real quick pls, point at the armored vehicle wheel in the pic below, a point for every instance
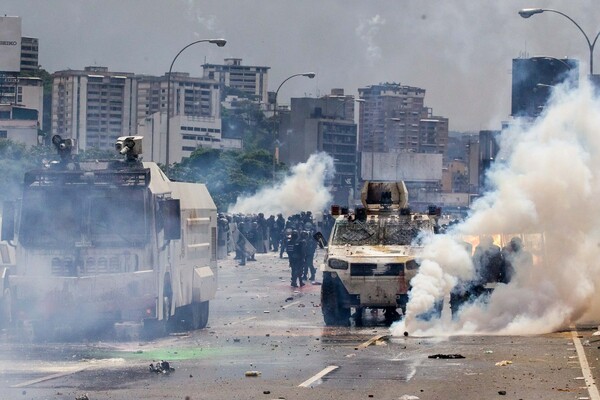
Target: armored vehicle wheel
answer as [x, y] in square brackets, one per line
[391, 315]
[334, 313]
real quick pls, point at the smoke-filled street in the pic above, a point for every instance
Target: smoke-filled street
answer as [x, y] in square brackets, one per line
[266, 340]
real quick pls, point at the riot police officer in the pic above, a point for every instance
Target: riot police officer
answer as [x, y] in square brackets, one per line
[296, 252]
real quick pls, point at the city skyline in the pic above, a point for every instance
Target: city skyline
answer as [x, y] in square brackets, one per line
[456, 52]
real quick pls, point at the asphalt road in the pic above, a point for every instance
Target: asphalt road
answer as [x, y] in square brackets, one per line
[260, 326]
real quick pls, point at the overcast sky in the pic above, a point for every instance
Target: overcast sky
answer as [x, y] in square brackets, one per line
[459, 51]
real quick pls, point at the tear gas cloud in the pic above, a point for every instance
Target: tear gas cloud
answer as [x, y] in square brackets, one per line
[302, 190]
[544, 187]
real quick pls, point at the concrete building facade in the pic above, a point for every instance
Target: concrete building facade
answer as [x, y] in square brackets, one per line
[422, 174]
[393, 118]
[323, 124]
[94, 106]
[19, 124]
[191, 96]
[188, 133]
[29, 54]
[252, 80]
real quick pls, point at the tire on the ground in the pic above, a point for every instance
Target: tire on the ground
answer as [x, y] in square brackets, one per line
[334, 313]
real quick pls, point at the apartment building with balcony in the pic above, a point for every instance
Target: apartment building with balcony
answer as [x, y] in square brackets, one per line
[249, 79]
[94, 106]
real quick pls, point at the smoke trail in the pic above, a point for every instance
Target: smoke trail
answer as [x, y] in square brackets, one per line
[550, 184]
[367, 30]
[303, 190]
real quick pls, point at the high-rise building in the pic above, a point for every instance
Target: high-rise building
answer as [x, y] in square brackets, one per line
[94, 106]
[533, 80]
[251, 80]
[190, 96]
[488, 150]
[389, 117]
[29, 54]
[433, 135]
[393, 118]
[324, 124]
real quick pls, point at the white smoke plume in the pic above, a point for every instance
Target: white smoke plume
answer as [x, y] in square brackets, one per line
[303, 190]
[367, 30]
[547, 183]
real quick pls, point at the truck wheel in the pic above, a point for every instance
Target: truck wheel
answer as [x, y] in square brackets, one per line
[334, 313]
[200, 311]
[6, 309]
[191, 317]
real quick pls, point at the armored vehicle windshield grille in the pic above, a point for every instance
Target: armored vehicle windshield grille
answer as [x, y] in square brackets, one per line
[362, 269]
[356, 233]
[388, 231]
[371, 269]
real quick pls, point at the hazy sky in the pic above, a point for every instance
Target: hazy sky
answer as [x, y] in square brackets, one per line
[459, 51]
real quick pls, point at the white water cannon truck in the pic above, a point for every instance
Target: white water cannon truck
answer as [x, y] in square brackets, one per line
[104, 244]
[373, 254]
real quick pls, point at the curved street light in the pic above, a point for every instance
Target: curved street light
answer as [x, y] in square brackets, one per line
[528, 12]
[218, 42]
[309, 75]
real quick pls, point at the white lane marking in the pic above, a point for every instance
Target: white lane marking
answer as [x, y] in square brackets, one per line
[585, 368]
[241, 321]
[318, 376]
[291, 304]
[49, 377]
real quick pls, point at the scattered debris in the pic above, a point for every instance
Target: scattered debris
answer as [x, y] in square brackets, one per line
[408, 397]
[406, 333]
[82, 397]
[447, 356]
[489, 352]
[163, 367]
[289, 299]
[503, 363]
[502, 392]
[252, 373]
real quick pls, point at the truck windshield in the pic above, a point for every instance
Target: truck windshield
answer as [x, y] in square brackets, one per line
[378, 232]
[68, 217]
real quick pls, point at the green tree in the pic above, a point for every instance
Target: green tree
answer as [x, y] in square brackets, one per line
[248, 123]
[227, 174]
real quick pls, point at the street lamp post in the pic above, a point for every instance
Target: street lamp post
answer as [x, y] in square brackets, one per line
[218, 42]
[309, 75]
[528, 12]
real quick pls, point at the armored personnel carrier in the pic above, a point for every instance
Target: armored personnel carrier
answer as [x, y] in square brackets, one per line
[372, 254]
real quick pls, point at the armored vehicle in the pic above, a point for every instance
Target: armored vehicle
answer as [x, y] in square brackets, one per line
[101, 244]
[372, 254]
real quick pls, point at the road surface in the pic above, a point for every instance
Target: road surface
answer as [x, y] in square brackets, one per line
[267, 340]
